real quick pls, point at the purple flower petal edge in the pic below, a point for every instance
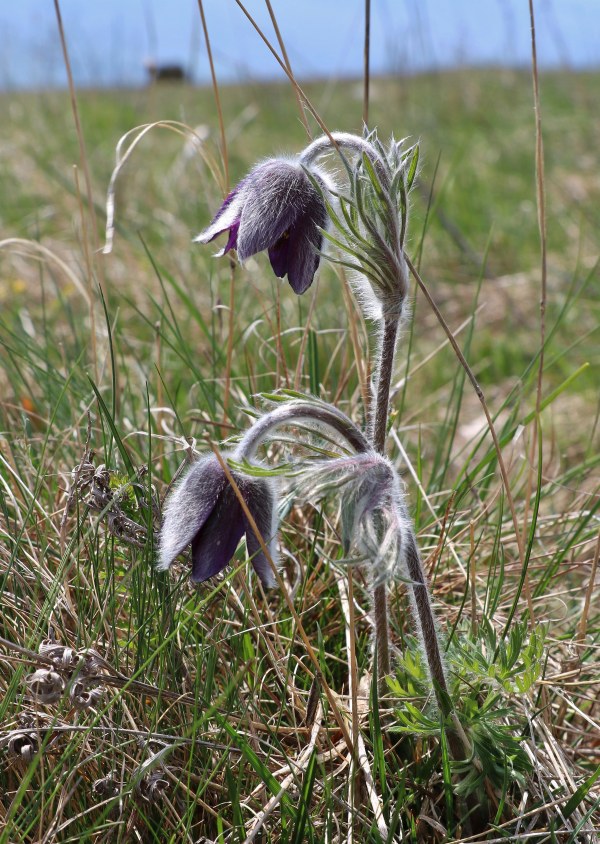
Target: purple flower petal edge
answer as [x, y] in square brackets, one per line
[189, 506]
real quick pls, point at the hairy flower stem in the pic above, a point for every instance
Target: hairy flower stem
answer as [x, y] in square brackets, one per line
[425, 619]
[460, 746]
[296, 411]
[351, 143]
[379, 431]
[386, 367]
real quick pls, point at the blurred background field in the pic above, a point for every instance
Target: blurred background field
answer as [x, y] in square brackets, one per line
[163, 344]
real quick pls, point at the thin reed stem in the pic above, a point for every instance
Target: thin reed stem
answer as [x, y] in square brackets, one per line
[473, 578]
[215, 86]
[353, 667]
[304, 341]
[288, 73]
[290, 604]
[490, 424]
[78, 128]
[88, 182]
[583, 623]
[541, 204]
[225, 156]
[367, 69]
[89, 273]
[541, 212]
[230, 332]
[282, 370]
[281, 43]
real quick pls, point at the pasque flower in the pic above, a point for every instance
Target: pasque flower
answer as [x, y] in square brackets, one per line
[205, 511]
[275, 207]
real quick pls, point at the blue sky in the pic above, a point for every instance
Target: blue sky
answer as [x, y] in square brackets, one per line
[110, 39]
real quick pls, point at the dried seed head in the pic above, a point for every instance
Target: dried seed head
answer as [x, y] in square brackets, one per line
[26, 720]
[82, 475]
[126, 529]
[153, 787]
[84, 698]
[24, 745]
[63, 657]
[106, 787]
[90, 662]
[45, 686]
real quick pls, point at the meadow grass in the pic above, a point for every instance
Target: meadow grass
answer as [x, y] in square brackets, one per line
[116, 367]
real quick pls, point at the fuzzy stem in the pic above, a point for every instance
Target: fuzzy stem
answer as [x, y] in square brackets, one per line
[426, 618]
[295, 411]
[385, 366]
[345, 140]
[460, 746]
[379, 430]
[380, 612]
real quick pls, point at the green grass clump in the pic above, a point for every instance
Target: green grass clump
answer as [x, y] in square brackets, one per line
[114, 367]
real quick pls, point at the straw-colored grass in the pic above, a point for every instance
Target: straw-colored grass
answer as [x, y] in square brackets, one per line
[174, 713]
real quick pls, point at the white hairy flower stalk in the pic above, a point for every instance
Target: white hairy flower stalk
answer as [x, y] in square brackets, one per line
[372, 234]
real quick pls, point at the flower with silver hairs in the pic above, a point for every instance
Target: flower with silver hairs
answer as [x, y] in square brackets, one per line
[276, 207]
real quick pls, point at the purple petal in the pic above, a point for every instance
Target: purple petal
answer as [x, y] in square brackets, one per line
[305, 242]
[262, 504]
[231, 241]
[279, 255]
[276, 194]
[189, 506]
[303, 264]
[205, 511]
[226, 217]
[215, 544]
[303, 259]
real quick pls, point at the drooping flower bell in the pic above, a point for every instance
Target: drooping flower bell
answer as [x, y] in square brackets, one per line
[205, 511]
[275, 207]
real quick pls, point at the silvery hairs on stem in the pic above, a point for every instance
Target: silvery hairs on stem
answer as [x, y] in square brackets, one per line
[205, 511]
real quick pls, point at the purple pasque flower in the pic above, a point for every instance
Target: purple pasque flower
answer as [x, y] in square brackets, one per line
[275, 207]
[204, 510]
